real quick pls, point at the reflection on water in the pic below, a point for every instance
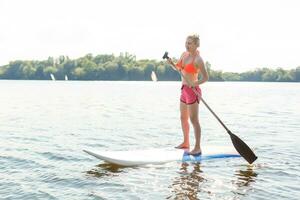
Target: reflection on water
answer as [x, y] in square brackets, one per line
[193, 184]
[245, 177]
[188, 184]
[105, 169]
[244, 180]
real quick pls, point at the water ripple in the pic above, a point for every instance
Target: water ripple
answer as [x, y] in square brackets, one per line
[42, 140]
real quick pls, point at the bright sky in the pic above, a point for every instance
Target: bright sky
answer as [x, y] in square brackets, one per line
[235, 35]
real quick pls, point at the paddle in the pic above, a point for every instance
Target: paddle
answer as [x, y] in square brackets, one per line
[241, 147]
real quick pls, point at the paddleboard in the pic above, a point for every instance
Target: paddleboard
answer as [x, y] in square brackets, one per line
[159, 156]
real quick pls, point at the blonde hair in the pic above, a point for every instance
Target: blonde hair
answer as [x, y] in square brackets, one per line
[195, 38]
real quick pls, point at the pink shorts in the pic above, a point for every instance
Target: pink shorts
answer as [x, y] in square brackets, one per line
[188, 96]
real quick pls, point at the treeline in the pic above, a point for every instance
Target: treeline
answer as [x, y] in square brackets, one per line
[259, 74]
[126, 67]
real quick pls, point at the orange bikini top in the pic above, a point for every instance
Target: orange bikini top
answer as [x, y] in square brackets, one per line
[190, 67]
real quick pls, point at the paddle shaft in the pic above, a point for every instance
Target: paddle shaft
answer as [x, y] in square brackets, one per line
[243, 149]
[207, 106]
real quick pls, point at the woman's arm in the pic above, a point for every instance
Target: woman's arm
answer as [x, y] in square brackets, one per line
[178, 65]
[204, 73]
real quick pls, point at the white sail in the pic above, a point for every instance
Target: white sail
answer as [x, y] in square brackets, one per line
[153, 76]
[52, 77]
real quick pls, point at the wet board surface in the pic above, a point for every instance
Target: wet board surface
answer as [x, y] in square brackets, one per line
[159, 156]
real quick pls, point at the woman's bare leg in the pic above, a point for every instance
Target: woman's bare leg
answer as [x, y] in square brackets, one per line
[193, 110]
[184, 118]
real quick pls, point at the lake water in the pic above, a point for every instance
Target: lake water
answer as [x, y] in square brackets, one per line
[45, 125]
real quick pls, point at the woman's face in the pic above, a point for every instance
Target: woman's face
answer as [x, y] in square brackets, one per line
[190, 45]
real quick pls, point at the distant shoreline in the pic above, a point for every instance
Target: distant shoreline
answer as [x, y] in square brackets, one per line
[125, 67]
[147, 81]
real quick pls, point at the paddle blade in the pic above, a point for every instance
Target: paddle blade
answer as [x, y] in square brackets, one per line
[243, 149]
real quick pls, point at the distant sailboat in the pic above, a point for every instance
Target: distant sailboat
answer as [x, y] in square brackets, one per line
[153, 76]
[52, 77]
[66, 78]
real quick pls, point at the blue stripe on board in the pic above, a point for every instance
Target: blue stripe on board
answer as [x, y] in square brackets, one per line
[186, 157]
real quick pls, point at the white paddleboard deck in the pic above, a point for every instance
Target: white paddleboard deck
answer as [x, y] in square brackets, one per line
[159, 156]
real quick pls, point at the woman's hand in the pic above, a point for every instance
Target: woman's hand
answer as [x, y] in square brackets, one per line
[192, 84]
[169, 61]
[196, 83]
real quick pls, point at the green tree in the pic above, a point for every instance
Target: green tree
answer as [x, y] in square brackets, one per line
[269, 75]
[297, 74]
[112, 70]
[49, 70]
[135, 73]
[230, 76]
[160, 72]
[148, 71]
[14, 70]
[28, 70]
[79, 73]
[216, 76]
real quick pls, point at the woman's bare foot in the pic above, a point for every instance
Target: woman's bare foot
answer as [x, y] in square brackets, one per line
[195, 152]
[183, 146]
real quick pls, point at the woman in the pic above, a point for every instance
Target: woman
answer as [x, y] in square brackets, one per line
[191, 66]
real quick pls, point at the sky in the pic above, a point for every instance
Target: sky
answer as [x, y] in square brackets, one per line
[235, 35]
